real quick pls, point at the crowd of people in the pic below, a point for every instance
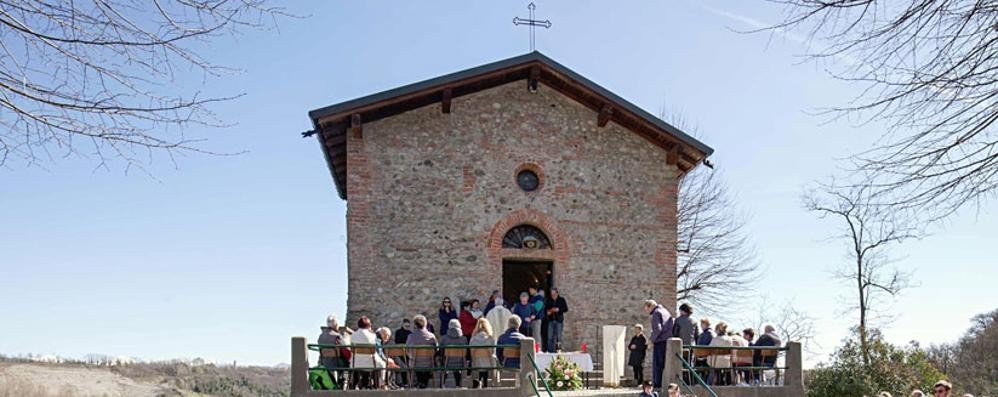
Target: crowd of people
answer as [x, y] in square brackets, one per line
[468, 326]
[425, 349]
[715, 369]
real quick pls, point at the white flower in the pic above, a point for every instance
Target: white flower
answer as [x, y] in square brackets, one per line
[560, 384]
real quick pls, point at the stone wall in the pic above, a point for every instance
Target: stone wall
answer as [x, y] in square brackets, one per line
[431, 195]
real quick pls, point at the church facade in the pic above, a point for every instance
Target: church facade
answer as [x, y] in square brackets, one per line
[515, 173]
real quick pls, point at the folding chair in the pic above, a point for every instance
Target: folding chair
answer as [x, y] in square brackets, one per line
[363, 359]
[743, 358]
[770, 353]
[418, 356]
[481, 354]
[397, 353]
[333, 354]
[510, 353]
[453, 353]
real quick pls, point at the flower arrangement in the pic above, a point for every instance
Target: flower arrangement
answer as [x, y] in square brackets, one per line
[563, 375]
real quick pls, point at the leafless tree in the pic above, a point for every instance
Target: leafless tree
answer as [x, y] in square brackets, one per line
[99, 78]
[869, 231]
[929, 72]
[792, 324]
[717, 267]
[716, 264]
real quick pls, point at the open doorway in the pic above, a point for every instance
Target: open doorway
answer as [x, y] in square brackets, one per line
[517, 276]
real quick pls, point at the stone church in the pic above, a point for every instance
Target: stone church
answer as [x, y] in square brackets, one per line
[498, 177]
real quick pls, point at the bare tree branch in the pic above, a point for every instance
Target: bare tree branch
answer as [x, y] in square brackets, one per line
[716, 265]
[870, 230]
[929, 71]
[717, 268]
[791, 323]
[95, 78]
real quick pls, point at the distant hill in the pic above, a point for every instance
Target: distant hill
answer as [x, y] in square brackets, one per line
[24, 378]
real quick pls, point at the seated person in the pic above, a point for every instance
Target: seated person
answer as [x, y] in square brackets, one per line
[453, 337]
[365, 345]
[768, 338]
[741, 358]
[511, 337]
[331, 336]
[421, 337]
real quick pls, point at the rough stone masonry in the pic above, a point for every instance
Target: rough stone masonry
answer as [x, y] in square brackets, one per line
[432, 194]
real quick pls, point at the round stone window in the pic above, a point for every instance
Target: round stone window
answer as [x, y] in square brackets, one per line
[528, 180]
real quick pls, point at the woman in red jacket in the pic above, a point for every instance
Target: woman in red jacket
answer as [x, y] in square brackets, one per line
[467, 320]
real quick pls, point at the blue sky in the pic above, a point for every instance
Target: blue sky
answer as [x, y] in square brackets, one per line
[226, 258]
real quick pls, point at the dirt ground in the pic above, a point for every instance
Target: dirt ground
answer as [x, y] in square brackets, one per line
[41, 380]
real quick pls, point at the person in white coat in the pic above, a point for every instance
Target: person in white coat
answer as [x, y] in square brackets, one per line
[365, 354]
[499, 315]
[721, 362]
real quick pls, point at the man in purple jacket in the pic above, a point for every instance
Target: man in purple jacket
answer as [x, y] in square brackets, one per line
[661, 331]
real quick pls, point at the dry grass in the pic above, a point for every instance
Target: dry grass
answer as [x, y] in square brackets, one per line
[170, 379]
[21, 388]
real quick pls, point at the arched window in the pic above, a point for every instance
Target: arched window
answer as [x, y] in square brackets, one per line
[526, 237]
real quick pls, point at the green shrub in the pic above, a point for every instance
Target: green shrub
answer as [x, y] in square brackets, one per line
[897, 370]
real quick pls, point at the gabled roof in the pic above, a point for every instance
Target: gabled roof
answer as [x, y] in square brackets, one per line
[332, 122]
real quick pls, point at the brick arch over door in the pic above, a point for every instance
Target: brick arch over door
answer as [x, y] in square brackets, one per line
[558, 253]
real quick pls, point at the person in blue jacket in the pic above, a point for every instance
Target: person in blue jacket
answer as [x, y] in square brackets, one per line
[526, 312]
[447, 312]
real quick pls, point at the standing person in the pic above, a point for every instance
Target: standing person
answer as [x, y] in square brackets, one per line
[638, 348]
[421, 337]
[467, 320]
[536, 324]
[661, 330]
[557, 307]
[525, 311]
[917, 393]
[499, 315]
[687, 331]
[476, 310]
[494, 300]
[482, 336]
[684, 327]
[719, 362]
[445, 314]
[454, 337]
[940, 389]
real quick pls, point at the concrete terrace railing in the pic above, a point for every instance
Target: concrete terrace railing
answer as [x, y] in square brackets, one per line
[524, 385]
[792, 384]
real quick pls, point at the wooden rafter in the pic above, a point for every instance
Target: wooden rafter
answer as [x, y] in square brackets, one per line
[445, 100]
[534, 78]
[604, 116]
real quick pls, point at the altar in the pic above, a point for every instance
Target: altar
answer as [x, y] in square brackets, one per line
[584, 360]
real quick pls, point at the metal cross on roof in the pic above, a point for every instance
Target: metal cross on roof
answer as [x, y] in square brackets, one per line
[532, 23]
